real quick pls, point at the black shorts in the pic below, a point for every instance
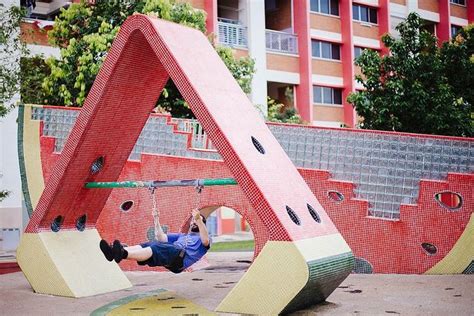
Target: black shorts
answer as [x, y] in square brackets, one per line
[164, 255]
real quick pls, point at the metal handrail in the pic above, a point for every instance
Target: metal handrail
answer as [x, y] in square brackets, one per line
[232, 33]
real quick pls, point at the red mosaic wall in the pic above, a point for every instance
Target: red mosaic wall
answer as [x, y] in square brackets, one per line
[395, 246]
[390, 246]
[145, 52]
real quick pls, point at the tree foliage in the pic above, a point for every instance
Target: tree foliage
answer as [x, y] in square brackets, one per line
[242, 68]
[34, 70]
[417, 87]
[457, 58]
[278, 112]
[11, 50]
[85, 33]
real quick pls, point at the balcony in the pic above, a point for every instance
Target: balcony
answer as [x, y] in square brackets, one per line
[231, 33]
[199, 139]
[47, 9]
[281, 42]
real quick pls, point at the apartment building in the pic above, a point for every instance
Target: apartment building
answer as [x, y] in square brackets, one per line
[304, 49]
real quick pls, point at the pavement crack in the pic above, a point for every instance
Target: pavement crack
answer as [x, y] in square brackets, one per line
[354, 291]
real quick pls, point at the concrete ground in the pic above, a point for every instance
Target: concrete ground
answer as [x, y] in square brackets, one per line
[357, 295]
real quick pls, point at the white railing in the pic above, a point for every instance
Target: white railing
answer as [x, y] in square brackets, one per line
[281, 42]
[231, 33]
[45, 9]
[199, 139]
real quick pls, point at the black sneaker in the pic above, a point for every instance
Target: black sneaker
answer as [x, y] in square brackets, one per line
[118, 251]
[106, 250]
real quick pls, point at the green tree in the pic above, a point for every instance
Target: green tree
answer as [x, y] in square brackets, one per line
[457, 57]
[34, 70]
[85, 33]
[409, 90]
[242, 69]
[11, 50]
[278, 112]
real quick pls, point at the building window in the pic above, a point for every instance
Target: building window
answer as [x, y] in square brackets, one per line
[358, 51]
[455, 29]
[326, 50]
[364, 14]
[461, 2]
[326, 95]
[325, 6]
[271, 5]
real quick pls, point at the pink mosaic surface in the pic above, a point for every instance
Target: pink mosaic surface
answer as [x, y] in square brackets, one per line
[128, 85]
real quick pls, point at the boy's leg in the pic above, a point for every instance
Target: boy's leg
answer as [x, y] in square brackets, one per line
[138, 253]
[118, 252]
[128, 248]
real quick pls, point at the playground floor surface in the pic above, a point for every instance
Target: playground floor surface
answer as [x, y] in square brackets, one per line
[201, 291]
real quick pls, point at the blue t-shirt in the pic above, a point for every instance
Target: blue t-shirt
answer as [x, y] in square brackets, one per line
[192, 244]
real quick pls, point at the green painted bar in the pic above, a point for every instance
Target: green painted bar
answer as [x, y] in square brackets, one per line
[122, 184]
[159, 184]
[223, 181]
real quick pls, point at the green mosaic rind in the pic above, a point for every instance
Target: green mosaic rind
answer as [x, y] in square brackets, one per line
[21, 160]
[325, 275]
[469, 269]
[362, 266]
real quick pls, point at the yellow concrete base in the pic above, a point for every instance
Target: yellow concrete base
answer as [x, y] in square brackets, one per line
[68, 263]
[462, 254]
[30, 143]
[289, 275]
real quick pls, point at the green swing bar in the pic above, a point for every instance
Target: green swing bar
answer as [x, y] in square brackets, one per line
[161, 184]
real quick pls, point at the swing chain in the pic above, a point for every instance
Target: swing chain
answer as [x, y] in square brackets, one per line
[154, 211]
[198, 188]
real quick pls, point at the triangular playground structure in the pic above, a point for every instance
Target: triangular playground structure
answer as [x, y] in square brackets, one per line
[305, 258]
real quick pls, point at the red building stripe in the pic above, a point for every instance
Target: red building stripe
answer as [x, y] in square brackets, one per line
[304, 91]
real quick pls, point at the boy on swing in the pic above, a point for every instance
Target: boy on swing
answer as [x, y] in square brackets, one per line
[175, 252]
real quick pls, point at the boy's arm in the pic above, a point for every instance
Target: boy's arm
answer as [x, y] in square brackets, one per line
[159, 233]
[203, 233]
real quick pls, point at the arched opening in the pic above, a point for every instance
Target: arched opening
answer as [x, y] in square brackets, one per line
[233, 244]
